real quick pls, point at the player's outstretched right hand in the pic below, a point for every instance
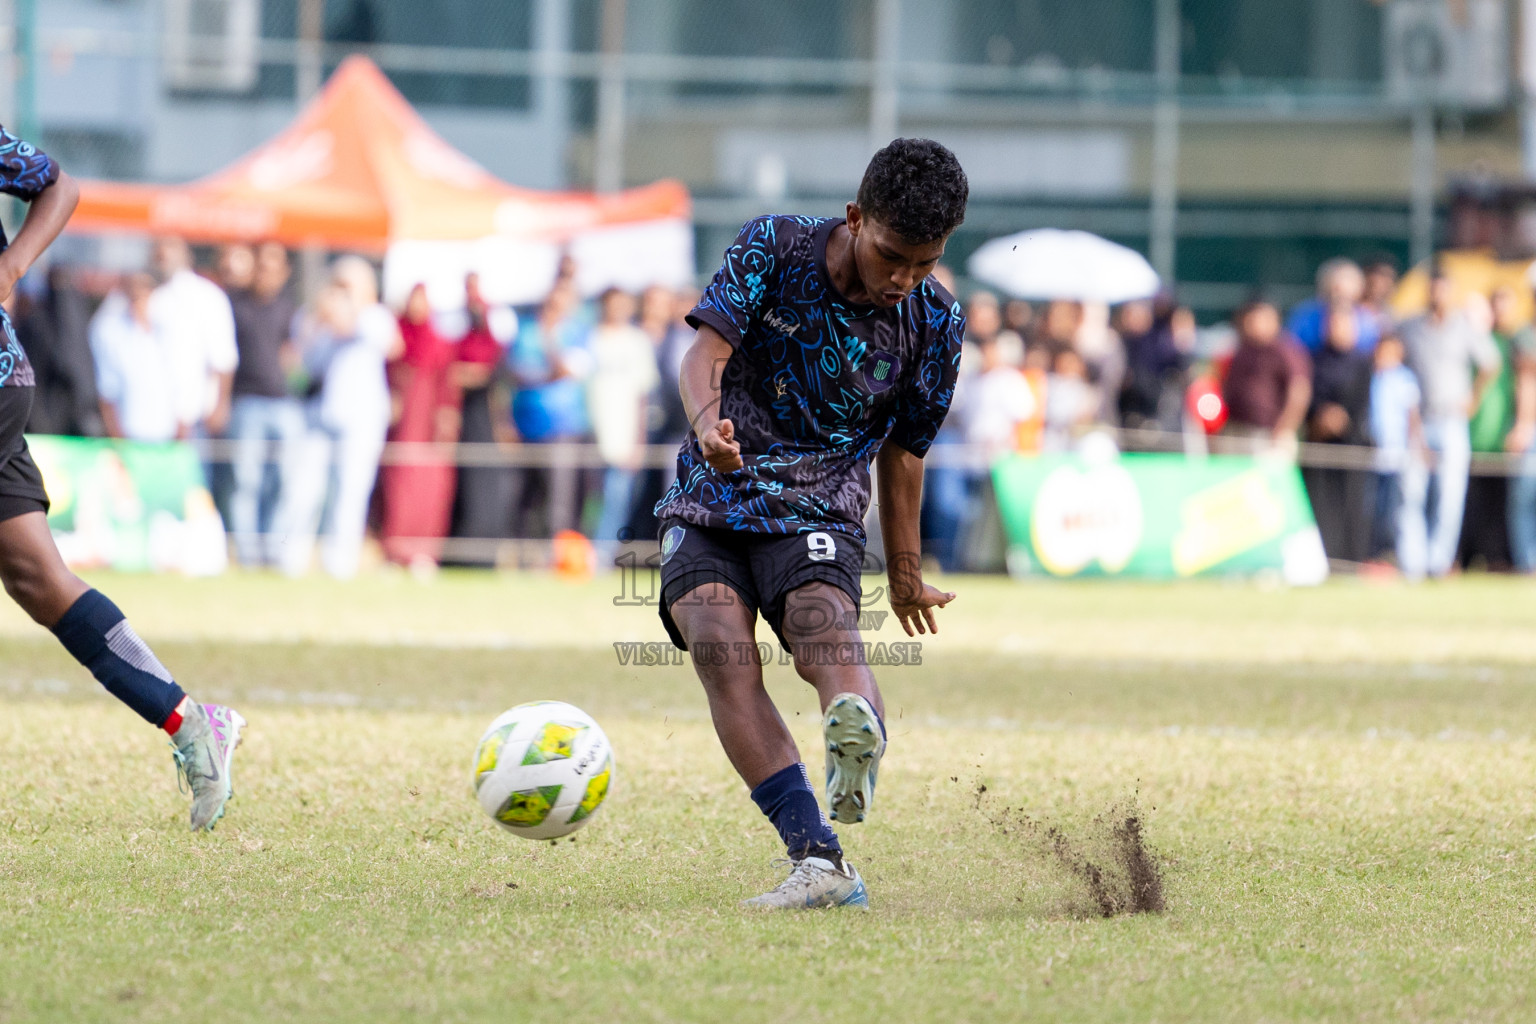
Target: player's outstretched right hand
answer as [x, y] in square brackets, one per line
[720, 448]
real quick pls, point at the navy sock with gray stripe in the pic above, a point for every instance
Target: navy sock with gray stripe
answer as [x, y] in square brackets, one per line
[788, 800]
[98, 635]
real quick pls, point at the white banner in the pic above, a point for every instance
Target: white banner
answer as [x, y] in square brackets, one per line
[517, 272]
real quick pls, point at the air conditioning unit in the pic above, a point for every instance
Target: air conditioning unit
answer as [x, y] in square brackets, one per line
[1447, 53]
[212, 45]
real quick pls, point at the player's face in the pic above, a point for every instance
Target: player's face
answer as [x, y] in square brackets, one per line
[889, 266]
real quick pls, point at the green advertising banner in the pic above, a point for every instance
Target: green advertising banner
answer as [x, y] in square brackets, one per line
[130, 506]
[1158, 517]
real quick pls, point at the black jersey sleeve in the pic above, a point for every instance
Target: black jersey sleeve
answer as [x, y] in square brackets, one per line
[737, 292]
[25, 170]
[924, 402]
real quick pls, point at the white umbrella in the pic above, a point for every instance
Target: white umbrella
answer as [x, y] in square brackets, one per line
[1052, 264]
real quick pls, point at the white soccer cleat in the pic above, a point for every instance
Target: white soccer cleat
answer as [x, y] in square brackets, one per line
[815, 882]
[204, 749]
[855, 744]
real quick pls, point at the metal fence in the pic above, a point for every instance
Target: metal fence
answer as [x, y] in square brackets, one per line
[574, 460]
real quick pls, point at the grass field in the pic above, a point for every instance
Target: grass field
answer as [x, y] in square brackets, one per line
[1340, 784]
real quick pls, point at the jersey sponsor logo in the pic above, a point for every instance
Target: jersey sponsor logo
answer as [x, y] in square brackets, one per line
[880, 371]
[670, 542]
[779, 324]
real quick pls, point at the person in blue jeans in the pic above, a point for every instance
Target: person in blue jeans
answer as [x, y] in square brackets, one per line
[263, 412]
[1522, 440]
[1455, 361]
[550, 361]
[1398, 434]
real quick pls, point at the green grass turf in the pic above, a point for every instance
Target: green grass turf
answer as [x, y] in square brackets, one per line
[1339, 783]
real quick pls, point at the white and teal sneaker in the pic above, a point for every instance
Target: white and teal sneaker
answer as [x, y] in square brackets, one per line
[854, 746]
[815, 882]
[204, 750]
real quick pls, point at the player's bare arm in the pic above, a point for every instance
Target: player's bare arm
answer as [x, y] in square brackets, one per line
[46, 217]
[699, 385]
[900, 475]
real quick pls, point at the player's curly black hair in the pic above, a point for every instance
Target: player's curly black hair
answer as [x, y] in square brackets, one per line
[916, 188]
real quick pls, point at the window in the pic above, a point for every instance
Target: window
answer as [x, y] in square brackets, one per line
[480, 24]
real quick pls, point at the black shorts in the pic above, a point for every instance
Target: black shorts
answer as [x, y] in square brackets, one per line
[761, 567]
[21, 485]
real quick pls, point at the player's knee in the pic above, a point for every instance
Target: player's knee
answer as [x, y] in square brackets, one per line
[806, 667]
[723, 652]
[25, 584]
[711, 614]
[711, 644]
[42, 587]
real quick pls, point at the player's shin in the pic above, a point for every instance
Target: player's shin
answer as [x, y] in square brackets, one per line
[100, 638]
[788, 801]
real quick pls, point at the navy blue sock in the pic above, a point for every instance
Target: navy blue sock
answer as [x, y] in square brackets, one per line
[99, 637]
[788, 800]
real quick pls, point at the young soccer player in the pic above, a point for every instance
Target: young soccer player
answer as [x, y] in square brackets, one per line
[823, 345]
[90, 627]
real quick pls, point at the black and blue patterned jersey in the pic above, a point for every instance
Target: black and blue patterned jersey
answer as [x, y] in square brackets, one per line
[815, 385]
[25, 171]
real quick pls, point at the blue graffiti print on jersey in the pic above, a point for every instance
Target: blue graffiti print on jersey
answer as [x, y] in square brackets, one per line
[815, 385]
[15, 371]
[24, 172]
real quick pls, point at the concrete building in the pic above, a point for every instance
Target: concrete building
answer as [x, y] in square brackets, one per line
[1288, 130]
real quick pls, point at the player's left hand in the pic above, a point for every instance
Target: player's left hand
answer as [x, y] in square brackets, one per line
[915, 611]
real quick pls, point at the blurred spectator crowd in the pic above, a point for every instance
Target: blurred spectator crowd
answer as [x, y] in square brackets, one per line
[306, 395]
[1413, 399]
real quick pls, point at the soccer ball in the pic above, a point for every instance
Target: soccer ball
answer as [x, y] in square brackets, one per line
[543, 769]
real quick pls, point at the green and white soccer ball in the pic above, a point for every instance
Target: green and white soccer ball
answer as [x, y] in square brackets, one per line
[543, 769]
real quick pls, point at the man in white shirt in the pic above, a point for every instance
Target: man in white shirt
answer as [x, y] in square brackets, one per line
[194, 317]
[624, 375]
[135, 376]
[1456, 361]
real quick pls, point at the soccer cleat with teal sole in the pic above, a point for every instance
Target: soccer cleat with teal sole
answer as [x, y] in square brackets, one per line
[815, 883]
[204, 751]
[855, 744]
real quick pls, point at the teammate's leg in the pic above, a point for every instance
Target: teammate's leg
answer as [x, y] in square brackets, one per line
[92, 629]
[34, 574]
[820, 624]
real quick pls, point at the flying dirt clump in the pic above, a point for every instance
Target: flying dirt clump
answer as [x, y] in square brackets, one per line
[1111, 859]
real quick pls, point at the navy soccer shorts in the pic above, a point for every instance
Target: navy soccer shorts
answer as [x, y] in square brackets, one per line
[762, 568]
[21, 485]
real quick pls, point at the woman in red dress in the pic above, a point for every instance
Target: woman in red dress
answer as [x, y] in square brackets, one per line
[418, 493]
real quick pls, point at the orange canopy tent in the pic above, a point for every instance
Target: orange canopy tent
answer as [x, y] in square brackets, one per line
[360, 169]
